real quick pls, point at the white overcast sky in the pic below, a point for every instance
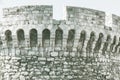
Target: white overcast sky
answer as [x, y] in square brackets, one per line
[110, 6]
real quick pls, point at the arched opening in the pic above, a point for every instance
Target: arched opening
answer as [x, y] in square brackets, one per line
[90, 43]
[20, 36]
[1, 43]
[33, 37]
[45, 38]
[8, 36]
[117, 46]
[81, 41]
[105, 46]
[70, 40]
[58, 37]
[113, 44]
[98, 43]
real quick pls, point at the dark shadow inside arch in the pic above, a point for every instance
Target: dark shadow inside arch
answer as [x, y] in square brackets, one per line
[90, 43]
[33, 37]
[46, 38]
[20, 36]
[8, 35]
[58, 37]
[105, 46]
[70, 40]
[8, 38]
[1, 42]
[117, 46]
[113, 44]
[81, 41]
[98, 43]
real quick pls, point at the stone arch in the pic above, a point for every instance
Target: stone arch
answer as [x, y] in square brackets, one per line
[105, 46]
[81, 41]
[98, 43]
[46, 38]
[20, 36]
[113, 44]
[82, 36]
[8, 36]
[70, 40]
[1, 42]
[58, 37]
[33, 37]
[90, 42]
[117, 46]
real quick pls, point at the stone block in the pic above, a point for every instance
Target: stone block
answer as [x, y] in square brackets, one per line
[54, 54]
[41, 59]
[22, 77]
[50, 59]
[73, 54]
[66, 53]
[42, 62]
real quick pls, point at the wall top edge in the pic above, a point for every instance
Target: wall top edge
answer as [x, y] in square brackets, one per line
[51, 6]
[76, 7]
[25, 6]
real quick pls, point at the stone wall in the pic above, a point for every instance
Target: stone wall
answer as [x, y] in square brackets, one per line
[79, 48]
[58, 66]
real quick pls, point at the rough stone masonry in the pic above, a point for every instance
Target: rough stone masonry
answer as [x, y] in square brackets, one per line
[34, 46]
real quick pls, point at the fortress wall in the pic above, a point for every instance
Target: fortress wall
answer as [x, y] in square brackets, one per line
[22, 17]
[59, 65]
[93, 20]
[88, 20]
[90, 55]
[27, 18]
[78, 19]
[116, 23]
[86, 17]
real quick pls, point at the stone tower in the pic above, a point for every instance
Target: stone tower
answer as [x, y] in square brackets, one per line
[34, 46]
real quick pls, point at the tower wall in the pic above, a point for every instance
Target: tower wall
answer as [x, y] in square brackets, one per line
[81, 47]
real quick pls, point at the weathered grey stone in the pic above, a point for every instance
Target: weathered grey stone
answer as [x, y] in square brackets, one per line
[22, 77]
[50, 59]
[38, 52]
[54, 54]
